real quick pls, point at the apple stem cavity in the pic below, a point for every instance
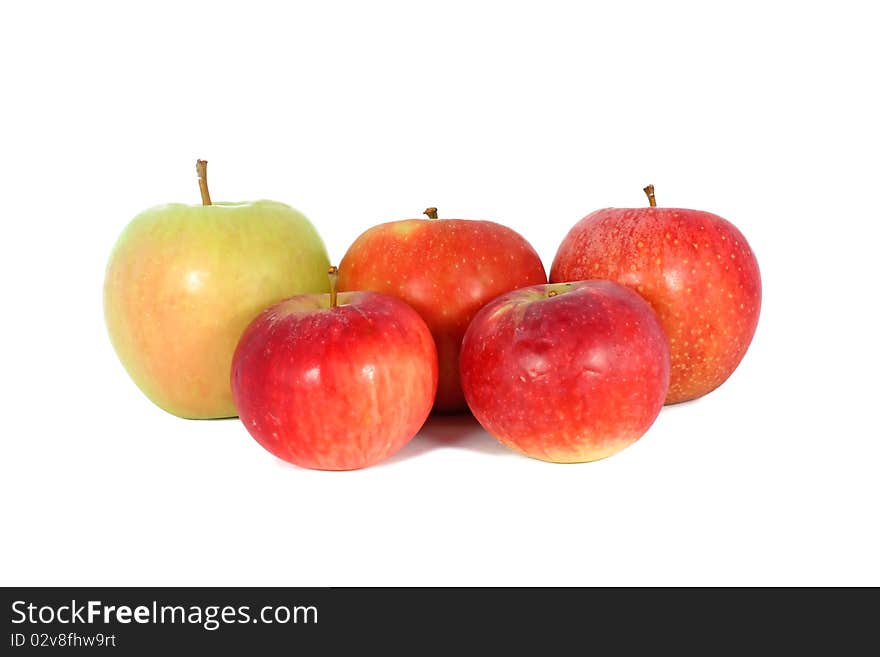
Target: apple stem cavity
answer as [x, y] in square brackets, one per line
[202, 171]
[431, 213]
[649, 190]
[333, 275]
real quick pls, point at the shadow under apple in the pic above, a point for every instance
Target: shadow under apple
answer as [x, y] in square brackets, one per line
[451, 431]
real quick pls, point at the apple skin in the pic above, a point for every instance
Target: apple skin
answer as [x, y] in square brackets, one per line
[447, 269]
[566, 372]
[695, 269]
[184, 281]
[335, 388]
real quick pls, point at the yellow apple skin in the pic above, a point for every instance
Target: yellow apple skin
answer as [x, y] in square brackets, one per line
[182, 284]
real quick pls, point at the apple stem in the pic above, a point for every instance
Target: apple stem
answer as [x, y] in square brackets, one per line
[431, 213]
[333, 275]
[649, 190]
[202, 171]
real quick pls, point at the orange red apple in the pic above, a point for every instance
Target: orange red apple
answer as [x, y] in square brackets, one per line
[447, 269]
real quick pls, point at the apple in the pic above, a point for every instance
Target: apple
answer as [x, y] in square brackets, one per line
[566, 372]
[696, 270]
[447, 269]
[184, 281]
[335, 383]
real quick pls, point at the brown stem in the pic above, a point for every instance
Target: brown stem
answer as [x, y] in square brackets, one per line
[202, 171]
[649, 190]
[431, 212]
[333, 275]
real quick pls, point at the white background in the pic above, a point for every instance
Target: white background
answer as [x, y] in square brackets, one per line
[531, 114]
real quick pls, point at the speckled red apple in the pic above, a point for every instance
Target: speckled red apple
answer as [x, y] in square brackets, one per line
[695, 269]
[566, 372]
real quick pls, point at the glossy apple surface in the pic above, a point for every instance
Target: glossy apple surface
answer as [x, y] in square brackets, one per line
[447, 269]
[696, 270]
[566, 372]
[335, 388]
[184, 281]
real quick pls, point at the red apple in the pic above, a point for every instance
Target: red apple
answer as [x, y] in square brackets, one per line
[447, 269]
[335, 383]
[566, 372]
[696, 270]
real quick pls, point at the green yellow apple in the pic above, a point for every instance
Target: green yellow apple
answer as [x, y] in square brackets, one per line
[184, 281]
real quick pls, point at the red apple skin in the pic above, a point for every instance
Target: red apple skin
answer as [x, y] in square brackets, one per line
[335, 388]
[566, 372]
[695, 269]
[447, 269]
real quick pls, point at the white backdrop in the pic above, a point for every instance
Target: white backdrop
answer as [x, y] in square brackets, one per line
[530, 114]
